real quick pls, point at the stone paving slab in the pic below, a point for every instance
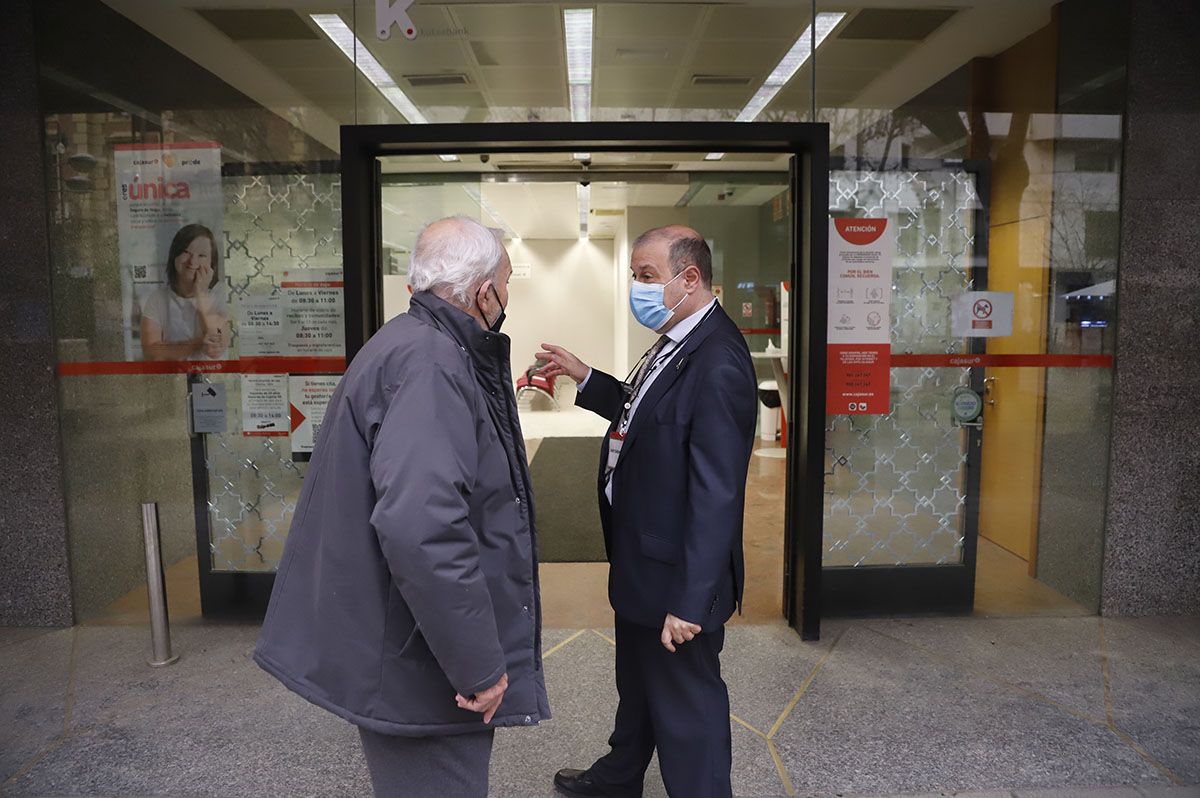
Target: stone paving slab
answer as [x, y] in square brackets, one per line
[888, 708]
[1155, 677]
[1059, 658]
[34, 680]
[881, 717]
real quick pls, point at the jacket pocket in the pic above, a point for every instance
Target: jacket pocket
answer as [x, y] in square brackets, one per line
[415, 646]
[404, 638]
[660, 549]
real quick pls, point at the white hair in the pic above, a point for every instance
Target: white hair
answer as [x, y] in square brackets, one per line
[453, 259]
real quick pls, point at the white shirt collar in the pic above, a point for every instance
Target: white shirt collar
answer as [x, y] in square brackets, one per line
[680, 330]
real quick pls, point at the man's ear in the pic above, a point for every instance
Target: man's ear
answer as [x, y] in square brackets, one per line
[481, 293]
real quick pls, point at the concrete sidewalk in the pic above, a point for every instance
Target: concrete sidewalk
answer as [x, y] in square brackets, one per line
[988, 707]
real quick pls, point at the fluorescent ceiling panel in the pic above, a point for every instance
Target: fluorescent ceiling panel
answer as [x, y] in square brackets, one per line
[796, 56]
[786, 69]
[344, 39]
[584, 194]
[578, 24]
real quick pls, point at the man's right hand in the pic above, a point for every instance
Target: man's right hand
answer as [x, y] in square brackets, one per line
[562, 362]
[487, 702]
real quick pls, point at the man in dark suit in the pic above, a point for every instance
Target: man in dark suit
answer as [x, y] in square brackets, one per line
[672, 488]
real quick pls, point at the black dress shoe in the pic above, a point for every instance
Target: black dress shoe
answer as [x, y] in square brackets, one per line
[579, 782]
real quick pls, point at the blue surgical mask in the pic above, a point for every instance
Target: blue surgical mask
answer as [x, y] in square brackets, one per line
[646, 303]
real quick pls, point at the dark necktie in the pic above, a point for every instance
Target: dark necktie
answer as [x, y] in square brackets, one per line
[642, 374]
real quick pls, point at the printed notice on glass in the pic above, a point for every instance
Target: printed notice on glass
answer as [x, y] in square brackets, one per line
[208, 408]
[265, 405]
[982, 314]
[314, 322]
[170, 212]
[309, 396]
[260, 326]
[858, 371]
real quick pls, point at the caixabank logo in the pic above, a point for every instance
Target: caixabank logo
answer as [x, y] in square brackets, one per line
[394, 12]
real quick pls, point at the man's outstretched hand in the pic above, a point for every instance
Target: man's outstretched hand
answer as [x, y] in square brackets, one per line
[562, 362]
[677, 631]
[487, 702]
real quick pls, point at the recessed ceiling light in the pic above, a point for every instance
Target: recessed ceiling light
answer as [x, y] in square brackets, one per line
[344, 39]
[584, 195]
[577, 35]
[796, 56]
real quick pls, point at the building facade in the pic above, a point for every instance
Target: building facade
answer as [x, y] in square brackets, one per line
[1031, 159]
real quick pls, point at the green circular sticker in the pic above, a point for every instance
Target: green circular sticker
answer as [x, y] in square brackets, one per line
[966, 404]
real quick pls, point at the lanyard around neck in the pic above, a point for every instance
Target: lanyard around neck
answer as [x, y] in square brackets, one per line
[632, 390]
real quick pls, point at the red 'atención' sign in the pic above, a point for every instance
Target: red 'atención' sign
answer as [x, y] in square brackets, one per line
[860, 232]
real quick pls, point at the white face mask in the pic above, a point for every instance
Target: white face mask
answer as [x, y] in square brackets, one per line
[647, 304]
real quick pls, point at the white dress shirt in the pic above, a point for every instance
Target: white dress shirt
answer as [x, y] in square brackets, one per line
[676, 335]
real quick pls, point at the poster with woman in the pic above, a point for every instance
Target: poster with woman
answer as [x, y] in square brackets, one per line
[169, 213]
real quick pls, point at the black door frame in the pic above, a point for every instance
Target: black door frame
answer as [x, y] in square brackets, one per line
[807, 143]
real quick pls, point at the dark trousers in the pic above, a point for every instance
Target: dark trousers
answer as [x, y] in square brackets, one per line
[452, 766]
[676, 703]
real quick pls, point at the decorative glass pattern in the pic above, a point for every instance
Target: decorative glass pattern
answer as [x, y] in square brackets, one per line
[895, 485]
[272, 224]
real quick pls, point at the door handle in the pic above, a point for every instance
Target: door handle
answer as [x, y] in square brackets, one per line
[989, 390]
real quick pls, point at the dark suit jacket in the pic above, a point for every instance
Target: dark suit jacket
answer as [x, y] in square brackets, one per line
[674, 531]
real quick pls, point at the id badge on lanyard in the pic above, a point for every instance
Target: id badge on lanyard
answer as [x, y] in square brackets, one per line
[615, 441]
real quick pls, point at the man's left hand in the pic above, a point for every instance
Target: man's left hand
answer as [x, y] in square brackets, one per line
[677, 631]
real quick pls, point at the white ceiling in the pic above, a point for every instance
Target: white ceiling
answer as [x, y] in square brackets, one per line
[646, 56]
[537, 210]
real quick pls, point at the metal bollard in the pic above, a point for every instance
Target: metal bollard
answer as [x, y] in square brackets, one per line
[160, 625]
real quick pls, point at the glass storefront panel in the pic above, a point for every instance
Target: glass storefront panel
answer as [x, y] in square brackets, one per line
[896, 489]
[989, 136]
[133, 93]
[1033, 95]
[275, 225]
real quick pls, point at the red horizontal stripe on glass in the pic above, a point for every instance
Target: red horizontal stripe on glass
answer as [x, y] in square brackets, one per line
[1002, 361]
[247, 365]
[171, 145]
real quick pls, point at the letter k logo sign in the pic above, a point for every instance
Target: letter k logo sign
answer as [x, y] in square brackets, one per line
[389, 13]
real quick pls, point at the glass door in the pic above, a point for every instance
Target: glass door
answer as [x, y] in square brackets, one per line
[568, 229]
[280, 284]
[902, 488]
[569, 206]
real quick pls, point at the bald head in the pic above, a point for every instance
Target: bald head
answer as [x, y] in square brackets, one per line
[684, 247]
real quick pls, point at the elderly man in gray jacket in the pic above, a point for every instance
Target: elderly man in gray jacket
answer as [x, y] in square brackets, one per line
[407, 598]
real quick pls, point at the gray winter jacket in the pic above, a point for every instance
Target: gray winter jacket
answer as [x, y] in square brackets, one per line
[410, 571]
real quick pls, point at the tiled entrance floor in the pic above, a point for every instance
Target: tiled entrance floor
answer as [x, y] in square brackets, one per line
[875, 707]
